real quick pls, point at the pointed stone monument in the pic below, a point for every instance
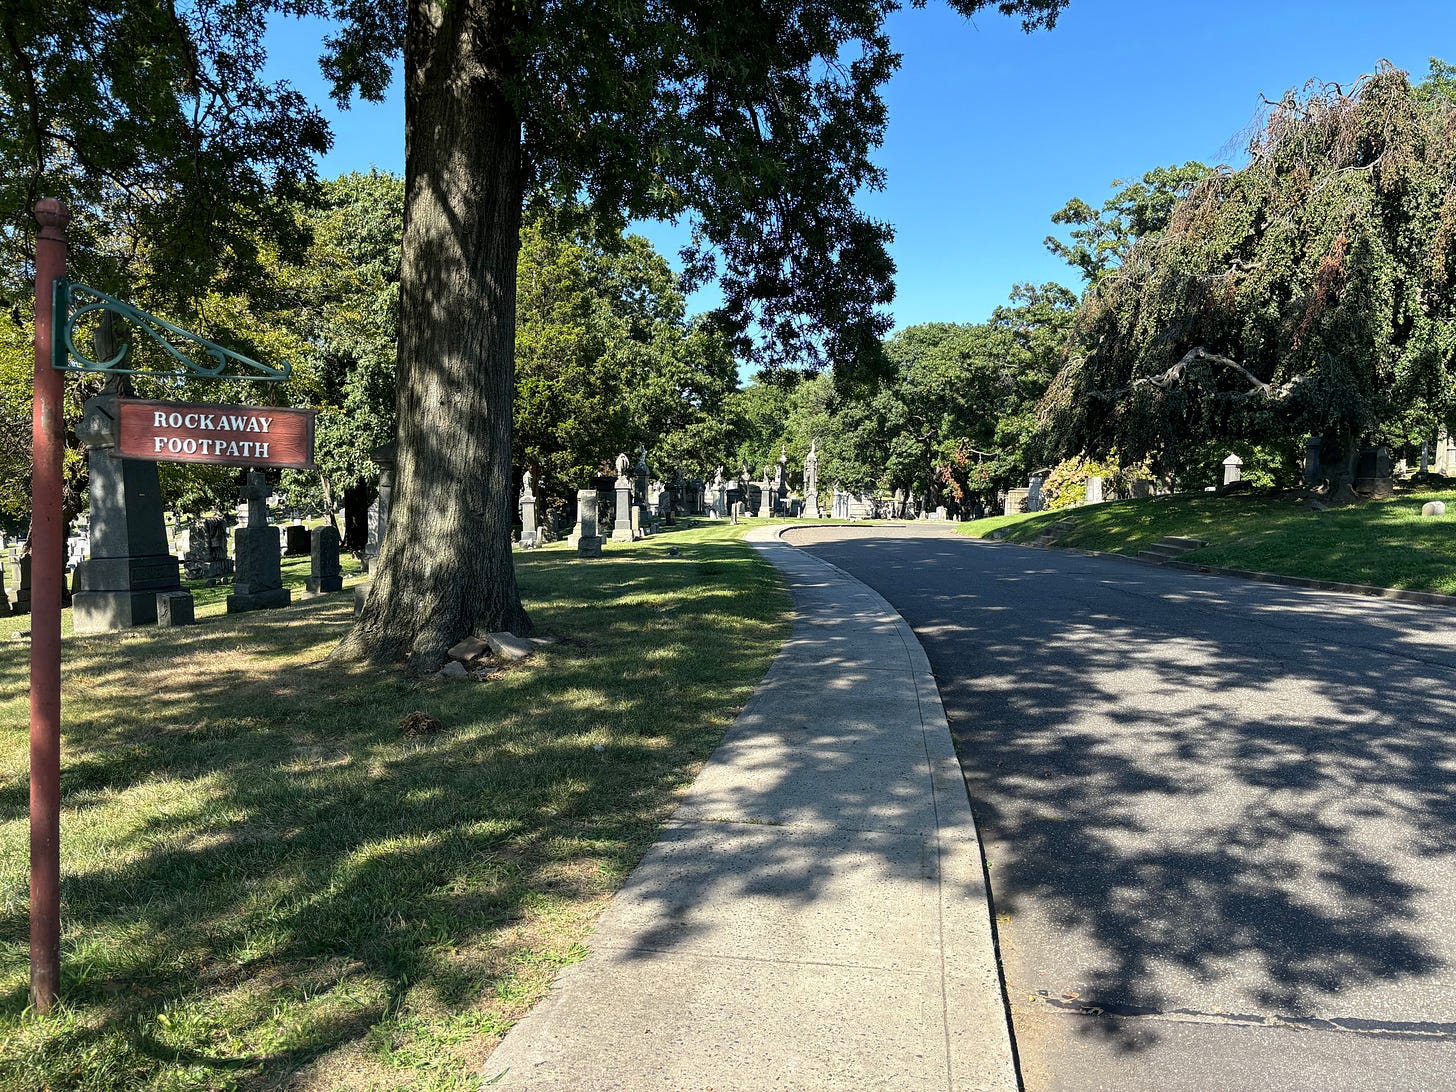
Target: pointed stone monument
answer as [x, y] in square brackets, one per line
[622, 528]
[811, 481]
[529, 540]
[130, 560]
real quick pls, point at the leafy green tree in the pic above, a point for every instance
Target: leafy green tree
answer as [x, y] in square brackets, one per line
[150, 121]
[1312, 291]
[180, 168]
[605, 358]
[755, 123]
[956, 418]
[348, 303]
[1101, 238]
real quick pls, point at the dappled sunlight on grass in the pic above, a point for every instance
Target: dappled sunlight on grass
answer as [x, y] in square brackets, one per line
[266, 882]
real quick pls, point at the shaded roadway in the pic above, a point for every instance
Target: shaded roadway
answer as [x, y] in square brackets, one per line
[1219, 816]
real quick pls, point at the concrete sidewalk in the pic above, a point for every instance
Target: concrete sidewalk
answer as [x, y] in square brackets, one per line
[814, 915]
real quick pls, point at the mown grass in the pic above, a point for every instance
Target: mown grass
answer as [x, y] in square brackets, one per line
[268, 884]
[1385, 543]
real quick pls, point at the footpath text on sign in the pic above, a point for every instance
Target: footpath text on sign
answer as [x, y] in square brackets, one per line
[192, 432]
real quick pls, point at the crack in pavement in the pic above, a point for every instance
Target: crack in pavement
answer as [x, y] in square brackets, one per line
[1388, 1029]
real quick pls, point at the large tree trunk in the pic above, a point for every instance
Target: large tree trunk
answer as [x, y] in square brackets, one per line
[445, 570]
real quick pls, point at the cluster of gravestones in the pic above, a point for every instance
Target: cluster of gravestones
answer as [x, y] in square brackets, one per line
[131, 577]
[637, 505]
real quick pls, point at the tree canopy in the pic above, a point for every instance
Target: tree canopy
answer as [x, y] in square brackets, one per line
[1310, 291]
[150, 120]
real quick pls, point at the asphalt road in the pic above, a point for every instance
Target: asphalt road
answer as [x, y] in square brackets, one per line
[1219, 817]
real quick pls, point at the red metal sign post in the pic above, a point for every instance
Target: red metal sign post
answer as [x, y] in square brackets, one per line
[46, 546]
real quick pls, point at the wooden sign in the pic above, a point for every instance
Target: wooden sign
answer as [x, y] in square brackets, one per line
[194, 432]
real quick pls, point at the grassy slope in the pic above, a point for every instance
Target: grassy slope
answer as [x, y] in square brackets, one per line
[1385, 543]
[267, 884]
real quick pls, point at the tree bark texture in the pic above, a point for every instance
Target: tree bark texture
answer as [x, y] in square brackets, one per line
[445, 568]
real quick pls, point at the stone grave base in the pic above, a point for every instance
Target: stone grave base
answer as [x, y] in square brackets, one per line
[239, 602]
[104, 611]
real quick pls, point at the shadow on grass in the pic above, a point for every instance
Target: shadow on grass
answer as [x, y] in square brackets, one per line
[1198, 795]
[260, 867]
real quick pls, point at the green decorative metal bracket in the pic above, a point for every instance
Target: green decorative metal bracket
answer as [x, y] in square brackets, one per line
[202, 359]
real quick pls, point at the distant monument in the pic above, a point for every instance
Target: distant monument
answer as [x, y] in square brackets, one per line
[529, 538]
[811, 481]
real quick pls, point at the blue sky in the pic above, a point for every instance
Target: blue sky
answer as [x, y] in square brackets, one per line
[992, 130]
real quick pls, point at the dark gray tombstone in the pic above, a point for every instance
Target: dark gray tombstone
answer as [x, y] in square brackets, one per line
[324, 574]
[130, 561]
[22, 585]
[175, 608]
[297, 540]
[4, 599]
[1312, 473]
[258, 584]
[1373, 476]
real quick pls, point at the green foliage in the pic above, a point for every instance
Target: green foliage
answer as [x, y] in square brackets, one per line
[1312, 291]
[754, 123]
[1271, 465]
[1065, 485]
[605, 360]
[1102, 238]
[151, 122]
[348, 289]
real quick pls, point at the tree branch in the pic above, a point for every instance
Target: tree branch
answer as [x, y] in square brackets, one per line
[1199, 354]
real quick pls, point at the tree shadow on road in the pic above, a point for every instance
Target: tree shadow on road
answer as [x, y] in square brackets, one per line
[1196, 795]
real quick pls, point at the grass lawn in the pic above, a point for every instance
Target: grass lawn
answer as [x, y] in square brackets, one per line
[1387, 543]
[269, 884]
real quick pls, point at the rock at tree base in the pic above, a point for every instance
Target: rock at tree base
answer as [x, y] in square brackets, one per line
[508, 646]
[472, 648]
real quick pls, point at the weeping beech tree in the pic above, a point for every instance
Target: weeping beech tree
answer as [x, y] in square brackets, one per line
[756, 122]
[1312, 291]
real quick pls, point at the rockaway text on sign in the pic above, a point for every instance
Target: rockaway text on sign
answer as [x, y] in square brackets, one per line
[191, 432]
